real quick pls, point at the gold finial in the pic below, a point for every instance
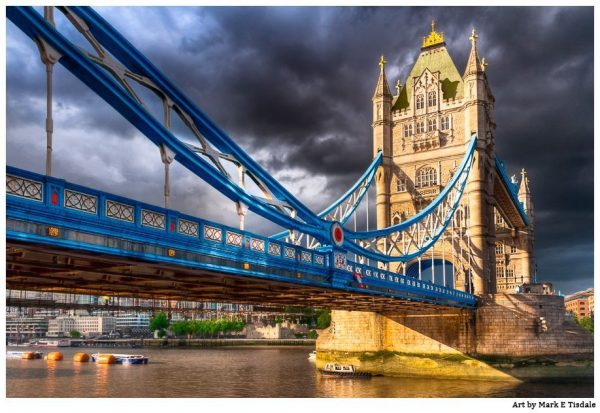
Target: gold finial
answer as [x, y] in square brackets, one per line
[473, 37]
[434, 37]
[484, 64]
[398, 86]
[382, 62]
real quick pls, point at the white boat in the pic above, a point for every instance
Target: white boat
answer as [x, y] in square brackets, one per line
[24, 355]
[52, 343]
[124, 358]
[312, 355]
[340, 370]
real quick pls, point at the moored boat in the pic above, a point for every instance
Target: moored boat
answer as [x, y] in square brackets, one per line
[51, 343]
[122, 358]
[312, 355]
[339, 370]
[25, 355]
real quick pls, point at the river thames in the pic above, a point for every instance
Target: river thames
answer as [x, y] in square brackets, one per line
[241, 372]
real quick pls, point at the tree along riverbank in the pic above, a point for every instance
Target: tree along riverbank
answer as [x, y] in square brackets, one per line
[200, 342]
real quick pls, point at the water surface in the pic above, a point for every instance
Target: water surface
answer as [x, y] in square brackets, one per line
[241, 372]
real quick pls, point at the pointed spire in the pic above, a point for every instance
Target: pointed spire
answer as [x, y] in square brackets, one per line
[525, 193]
[382, 88]
[524, 188]
[473, 64]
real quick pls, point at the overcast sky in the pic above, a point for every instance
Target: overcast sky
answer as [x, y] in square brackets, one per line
[293, 87]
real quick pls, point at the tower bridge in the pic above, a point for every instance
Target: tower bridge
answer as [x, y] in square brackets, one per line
[452, 228]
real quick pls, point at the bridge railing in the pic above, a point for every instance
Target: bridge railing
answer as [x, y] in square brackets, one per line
[368, 277]
[149, 222]
[171, 236]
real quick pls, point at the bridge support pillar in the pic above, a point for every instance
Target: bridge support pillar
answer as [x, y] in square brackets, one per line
[493, 342]
[481, 230]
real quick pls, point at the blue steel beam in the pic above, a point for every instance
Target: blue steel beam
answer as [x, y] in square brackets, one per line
[362, 185]
[89, 220]
[510, 188]
[458, 183]
[33, 25]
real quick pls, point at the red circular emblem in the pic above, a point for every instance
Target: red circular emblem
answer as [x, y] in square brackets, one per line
[337, 234]
[54, 198]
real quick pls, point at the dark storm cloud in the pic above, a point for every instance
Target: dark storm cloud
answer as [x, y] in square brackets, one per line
[293, 87]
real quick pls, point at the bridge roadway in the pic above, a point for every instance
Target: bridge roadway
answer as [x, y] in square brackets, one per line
[63, 237]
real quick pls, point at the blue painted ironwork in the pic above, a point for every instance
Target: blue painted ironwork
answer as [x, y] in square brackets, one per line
[413, 237]
[342, 209]
[103, 74]
[282, 208]
[511, 189]
[267, 259]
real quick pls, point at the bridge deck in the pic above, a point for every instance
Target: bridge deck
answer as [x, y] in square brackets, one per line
[68, 238]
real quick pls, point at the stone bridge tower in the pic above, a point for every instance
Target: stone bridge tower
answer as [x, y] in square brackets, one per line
[423, 131]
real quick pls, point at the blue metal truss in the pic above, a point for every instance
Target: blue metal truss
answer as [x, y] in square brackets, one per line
[104, 84]
[342, 209]
[49, 211]
[511, 188]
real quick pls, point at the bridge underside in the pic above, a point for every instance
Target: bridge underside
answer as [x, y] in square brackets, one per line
[37, 267]
[506, 201]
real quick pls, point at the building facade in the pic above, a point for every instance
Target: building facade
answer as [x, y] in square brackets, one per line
[581, 303]
[86, 325]
[423, 131]
[25, 328]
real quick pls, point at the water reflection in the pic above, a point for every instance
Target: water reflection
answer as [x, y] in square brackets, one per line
[242, 372]
[102, 379]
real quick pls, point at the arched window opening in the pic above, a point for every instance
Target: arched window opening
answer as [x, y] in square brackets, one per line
[432, 125]
[420, 101]
[432, 99]
[426, 176]
[401, 184]
[445, 122]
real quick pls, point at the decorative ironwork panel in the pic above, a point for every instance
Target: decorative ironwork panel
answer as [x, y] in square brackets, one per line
[153, 219]
[120, 211]
[319, 260]
[339, 260]
[289, 253]
[274, 249]
[212, 233]
[80, 201]
[306, 257]
[233, 238]
[188, 228]
[25, 188]
[257, 244]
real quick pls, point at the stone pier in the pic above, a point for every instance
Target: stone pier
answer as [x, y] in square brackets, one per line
[504, 339]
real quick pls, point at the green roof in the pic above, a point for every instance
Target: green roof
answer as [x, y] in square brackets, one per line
[436, 59]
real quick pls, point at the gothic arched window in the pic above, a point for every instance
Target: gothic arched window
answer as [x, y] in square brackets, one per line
[431, 125]
[432, 99]
[420, 127]
[426, 176]
[420, 101]
[408, 130]
[445, 122]
[401, 184]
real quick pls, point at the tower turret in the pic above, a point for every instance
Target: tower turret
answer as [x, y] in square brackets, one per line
[382, 141]
[480, 188]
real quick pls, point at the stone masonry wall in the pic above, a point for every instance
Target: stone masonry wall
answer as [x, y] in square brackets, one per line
[508, 325]
[430, 333]
[503, 325]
